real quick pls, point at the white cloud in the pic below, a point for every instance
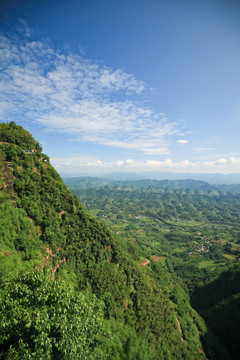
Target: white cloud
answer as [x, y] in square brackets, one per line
[221, 161]
[93, 164]
[73, 164]
[23, 27]
[182, 141]
[235, 161]
[70, 94]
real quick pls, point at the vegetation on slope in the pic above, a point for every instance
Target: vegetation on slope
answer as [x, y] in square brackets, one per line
[194, 235]
[44, 318]
[44, 225]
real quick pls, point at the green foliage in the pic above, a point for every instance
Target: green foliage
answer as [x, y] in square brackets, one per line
[15, 134]
[190, 229]
[45, 319]
[42, 221]
[219, 302]
[126, 344]
[195, 236]
[19, 243]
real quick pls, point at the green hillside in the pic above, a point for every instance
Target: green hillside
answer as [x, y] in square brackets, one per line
[44, 228]
[191, 232]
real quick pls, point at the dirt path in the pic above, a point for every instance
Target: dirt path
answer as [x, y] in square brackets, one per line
[179, 328]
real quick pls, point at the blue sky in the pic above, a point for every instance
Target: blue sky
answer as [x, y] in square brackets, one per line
[125, 85]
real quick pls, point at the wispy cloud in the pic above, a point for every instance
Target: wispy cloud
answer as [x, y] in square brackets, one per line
[68, 93]
[182, 141]
[203, 149]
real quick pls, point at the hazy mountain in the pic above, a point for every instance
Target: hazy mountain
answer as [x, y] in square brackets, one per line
[217, 179]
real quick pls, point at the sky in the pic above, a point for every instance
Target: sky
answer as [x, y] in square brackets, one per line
[125, 85]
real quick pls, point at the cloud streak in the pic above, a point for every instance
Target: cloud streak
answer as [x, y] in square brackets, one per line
[182, 141]
[67, 93]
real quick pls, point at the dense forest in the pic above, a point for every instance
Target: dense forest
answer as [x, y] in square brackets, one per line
[126, 272]
[189, 227]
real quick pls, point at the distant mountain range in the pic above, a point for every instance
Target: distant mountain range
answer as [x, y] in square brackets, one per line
[216, 179]
[188, 185]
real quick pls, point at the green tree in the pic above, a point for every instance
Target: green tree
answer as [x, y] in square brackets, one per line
[42, 318]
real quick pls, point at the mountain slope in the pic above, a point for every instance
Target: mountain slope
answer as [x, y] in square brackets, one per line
[43, 224]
